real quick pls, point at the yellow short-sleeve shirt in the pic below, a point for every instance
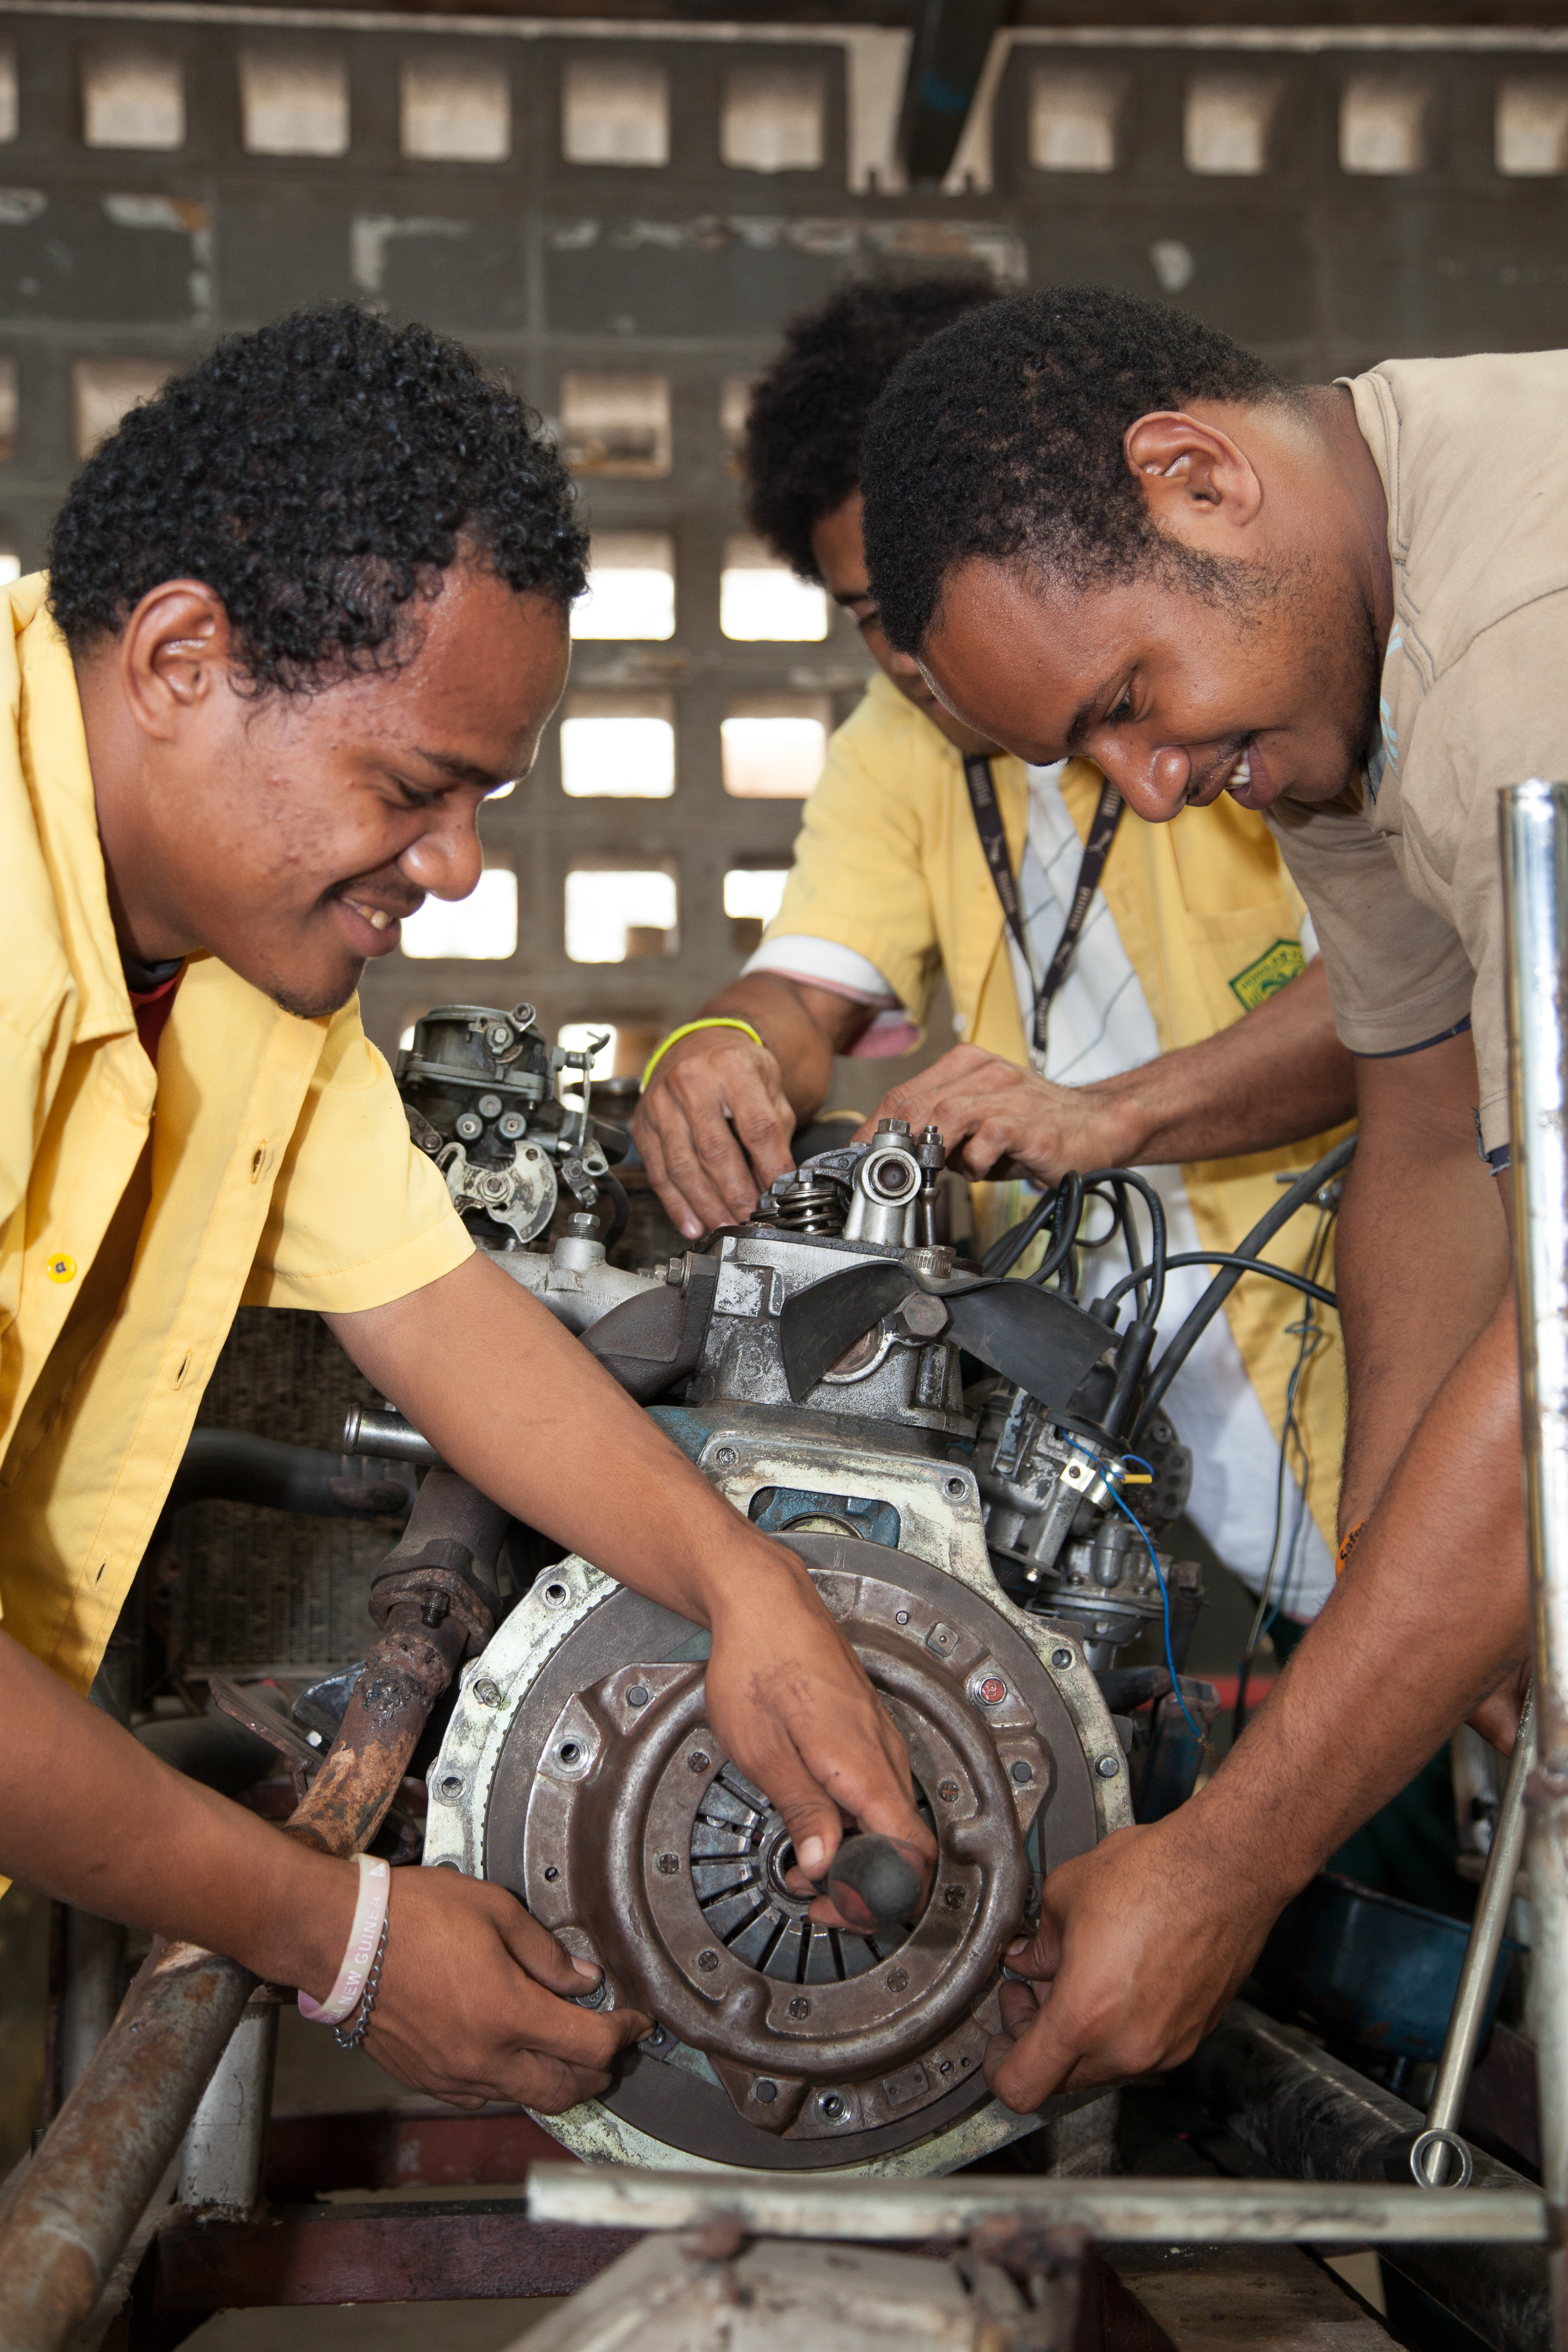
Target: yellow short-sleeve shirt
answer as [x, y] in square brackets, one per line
[888, 863]
[277, 1170]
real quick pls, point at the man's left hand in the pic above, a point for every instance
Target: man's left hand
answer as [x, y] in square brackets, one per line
[791, 1703]
[1000, 1121]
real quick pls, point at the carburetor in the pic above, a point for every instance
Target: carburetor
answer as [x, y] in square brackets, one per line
[479, 1090]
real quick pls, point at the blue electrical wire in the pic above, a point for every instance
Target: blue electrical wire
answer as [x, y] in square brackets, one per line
[1133, 1520]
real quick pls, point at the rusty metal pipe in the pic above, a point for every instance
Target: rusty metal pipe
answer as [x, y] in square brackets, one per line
[104, 2155]
[404, 1676]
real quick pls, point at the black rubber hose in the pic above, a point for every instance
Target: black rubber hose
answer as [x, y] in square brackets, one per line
[228, 1465]
[1219, 1290]
[1232, 1257]
[1005, 1253]
[620, 1211]
[1154, 1272]
[1063, 1224]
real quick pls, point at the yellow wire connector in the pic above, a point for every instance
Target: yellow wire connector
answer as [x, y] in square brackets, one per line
[714, 1020]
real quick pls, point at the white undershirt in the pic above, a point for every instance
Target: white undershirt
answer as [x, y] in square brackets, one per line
[1101, 1024]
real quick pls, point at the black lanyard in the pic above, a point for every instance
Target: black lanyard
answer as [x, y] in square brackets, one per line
[993, 842]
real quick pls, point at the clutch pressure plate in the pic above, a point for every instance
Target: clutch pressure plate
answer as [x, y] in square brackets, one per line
[580, 1769]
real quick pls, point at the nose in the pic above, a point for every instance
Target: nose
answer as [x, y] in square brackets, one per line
[1153, 783]
[446, 859]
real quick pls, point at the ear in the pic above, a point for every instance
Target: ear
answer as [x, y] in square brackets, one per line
[1200, 485]
[175, 651]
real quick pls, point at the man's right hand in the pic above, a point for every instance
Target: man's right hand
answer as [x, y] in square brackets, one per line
[1142, 1943]
[477, 2000]
[714, 1128]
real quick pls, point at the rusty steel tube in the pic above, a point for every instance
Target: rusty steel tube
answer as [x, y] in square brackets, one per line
[103, 2155]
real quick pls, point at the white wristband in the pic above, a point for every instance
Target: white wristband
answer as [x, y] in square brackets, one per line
[364, 1936]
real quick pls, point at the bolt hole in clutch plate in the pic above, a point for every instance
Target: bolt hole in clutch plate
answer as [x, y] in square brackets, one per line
[580, 1769]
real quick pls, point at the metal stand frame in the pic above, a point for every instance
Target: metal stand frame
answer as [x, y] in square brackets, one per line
[1534, 825]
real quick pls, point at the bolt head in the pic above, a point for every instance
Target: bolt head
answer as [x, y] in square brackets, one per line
[1109, 1766]
[831, 2105]
[697, 1761]
[992, 1691]
[638, 1694]
[898, 1979]
[707, 1962]
[925, 1316]
[767, 2092]
[1023, 1773]
[958, 1488]
[954, 1898]
[668, 1864]
[947, 1791]
[452, 1786]
[799, 2007]
[724, 1459]
[488, 1693]
[1061, 1660]
[902, 1618]
[552, 1872]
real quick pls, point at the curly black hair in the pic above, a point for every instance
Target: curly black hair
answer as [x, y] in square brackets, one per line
[318, 474]
[808, 413]
[1002, 436]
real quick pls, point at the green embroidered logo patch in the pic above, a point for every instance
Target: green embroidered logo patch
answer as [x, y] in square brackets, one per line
[1284, 960]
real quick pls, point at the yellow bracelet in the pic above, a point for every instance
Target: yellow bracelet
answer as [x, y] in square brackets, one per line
[715, 1021]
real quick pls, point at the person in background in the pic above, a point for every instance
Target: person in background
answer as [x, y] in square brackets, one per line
[1126, 995]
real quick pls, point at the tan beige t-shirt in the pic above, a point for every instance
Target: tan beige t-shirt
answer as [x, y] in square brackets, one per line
[1407, 892]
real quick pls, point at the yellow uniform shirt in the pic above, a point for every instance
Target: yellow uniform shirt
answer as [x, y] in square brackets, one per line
[276, 1171]
[888, 864]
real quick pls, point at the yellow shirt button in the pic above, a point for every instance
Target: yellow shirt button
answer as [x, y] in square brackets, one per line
[61, 1268]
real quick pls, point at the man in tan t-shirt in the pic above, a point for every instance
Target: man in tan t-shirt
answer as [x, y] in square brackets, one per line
[1104, 529]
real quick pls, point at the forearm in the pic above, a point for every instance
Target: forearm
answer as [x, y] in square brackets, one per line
[88, 1815]
[1277, 1075]
[1431, 1613]
[1421, 1255]
[553, 1437]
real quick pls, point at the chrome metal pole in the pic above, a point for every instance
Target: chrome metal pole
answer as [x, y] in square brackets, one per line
[1439, 2148]
[1535, 823]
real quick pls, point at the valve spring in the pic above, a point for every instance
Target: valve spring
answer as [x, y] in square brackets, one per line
[812, 1205]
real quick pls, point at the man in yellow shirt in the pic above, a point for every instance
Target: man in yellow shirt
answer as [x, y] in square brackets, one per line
[305, 610]
[1146, 1056]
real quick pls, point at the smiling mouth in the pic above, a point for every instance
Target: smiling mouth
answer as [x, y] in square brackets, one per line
[380, 919]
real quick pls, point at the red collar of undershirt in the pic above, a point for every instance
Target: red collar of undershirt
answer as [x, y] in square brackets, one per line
[152, 1007]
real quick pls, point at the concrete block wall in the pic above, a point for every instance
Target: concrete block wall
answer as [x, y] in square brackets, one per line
[140, 253]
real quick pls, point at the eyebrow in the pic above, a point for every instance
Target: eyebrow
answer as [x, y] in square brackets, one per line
[460, 771]
[1084, 716]
[854, 596]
